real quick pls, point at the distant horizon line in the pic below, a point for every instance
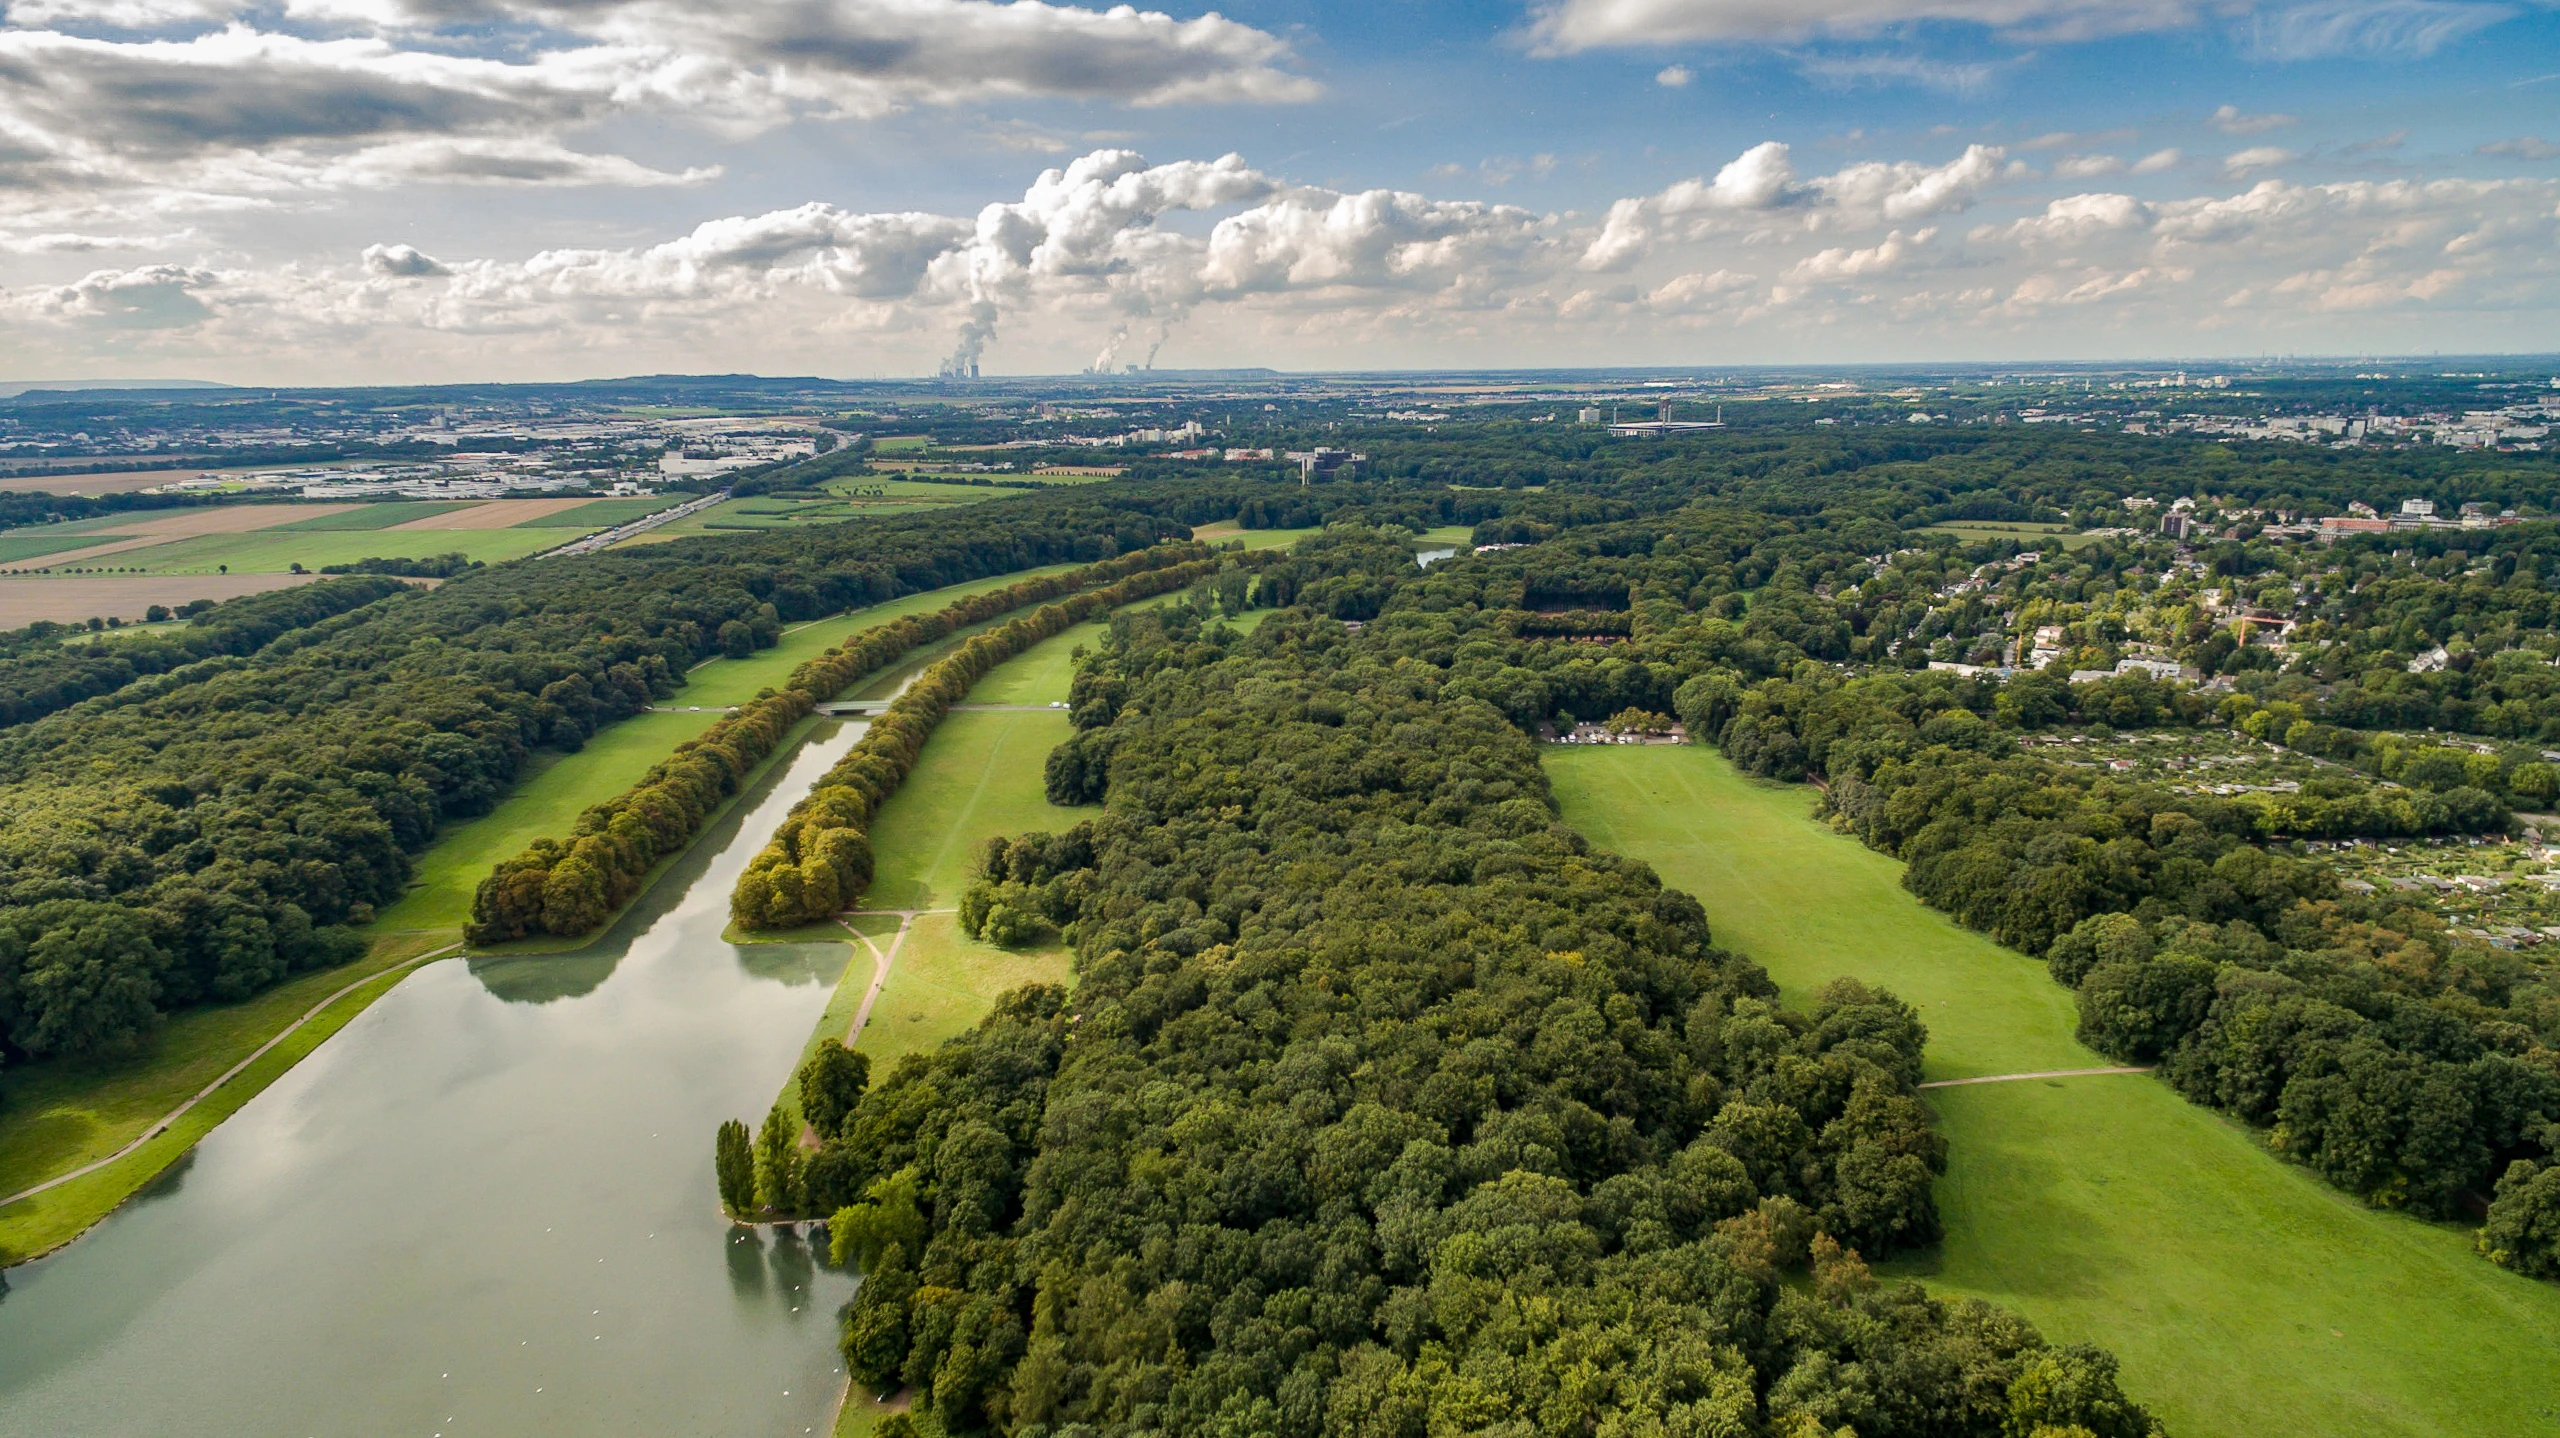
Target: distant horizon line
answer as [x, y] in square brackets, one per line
[13, 388]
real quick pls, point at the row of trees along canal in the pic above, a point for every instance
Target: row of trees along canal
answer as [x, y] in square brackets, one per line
[198, 834]
[1384, 1103]
[568, 888]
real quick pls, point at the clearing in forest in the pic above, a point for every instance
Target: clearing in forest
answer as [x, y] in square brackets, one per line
[2246, 1298]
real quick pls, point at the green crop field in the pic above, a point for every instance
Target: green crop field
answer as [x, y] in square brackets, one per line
[370, 516]
[93, 524]
[273, 551]
[37, 543]
[603, 513]
[2246, 1299]
[881, 486]
[761, 513]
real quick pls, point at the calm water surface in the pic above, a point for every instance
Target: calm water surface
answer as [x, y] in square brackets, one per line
[485, 1207]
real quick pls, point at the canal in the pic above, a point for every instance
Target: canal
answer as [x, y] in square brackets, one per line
[485, 1207]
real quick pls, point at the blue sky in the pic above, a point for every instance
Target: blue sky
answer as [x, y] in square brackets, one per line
[297, 190]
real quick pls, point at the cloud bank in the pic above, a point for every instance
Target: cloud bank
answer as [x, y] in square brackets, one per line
[203, 96]
[1228, 263]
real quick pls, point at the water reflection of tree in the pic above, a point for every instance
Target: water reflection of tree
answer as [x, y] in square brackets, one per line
[167, 1182]
[544, 978]
[746, 1263]
[793, 1269]
[794, 964]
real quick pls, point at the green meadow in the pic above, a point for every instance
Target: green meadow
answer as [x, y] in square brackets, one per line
[2246, 1299]
[1252, 538]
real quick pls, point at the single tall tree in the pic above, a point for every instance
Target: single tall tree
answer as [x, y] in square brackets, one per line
[777, 1166]
[735, 1162]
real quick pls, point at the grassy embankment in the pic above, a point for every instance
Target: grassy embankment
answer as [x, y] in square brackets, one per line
[2246, 1298]
[55, 1117]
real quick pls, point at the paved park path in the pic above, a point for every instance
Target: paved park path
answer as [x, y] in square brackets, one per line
[2041, 1074]
[881, 958]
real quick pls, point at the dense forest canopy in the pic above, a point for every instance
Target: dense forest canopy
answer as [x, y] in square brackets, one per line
[1368, 1061]
[1383, 1104]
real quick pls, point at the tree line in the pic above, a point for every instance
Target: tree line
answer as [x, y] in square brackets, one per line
[1384, 1104]
[819, 860]
[569, 888]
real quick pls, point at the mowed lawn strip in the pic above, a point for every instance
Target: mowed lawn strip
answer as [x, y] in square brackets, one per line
[2245, 1297]
[943, 983]
[980, 776]
[1810, 904]
[545, 801]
